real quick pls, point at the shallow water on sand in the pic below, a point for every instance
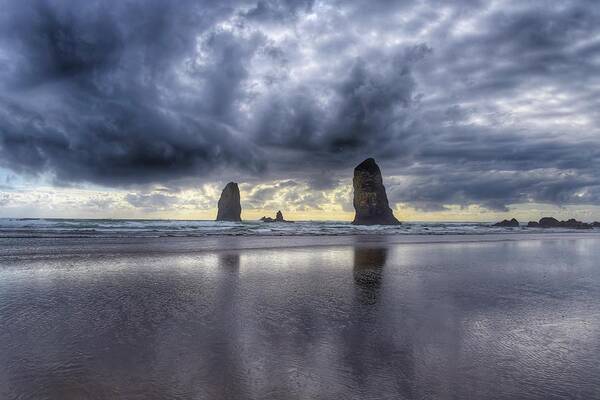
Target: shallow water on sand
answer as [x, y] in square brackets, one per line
[364, 318]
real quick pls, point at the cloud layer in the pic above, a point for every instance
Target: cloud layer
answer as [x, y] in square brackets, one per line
[473, 102]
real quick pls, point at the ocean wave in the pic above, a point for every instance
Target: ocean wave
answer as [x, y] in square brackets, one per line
[29, 227]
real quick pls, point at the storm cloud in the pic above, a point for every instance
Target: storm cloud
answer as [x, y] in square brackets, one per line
[471, 102]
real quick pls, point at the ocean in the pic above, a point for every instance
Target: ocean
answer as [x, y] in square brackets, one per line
[34, 227]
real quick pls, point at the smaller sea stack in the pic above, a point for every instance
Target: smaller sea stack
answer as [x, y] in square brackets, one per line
[229, 205]
[513, 223]
[278, 218]
[370, 200]
[551, 222]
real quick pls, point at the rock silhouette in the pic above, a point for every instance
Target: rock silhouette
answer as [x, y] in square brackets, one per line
[229, 205]
[550, 222]
[278, 218]
[513, 223]
[370, 200]
[574, 224]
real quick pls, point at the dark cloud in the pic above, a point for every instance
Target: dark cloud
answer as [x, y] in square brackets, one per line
[494, 189]
[94, 95]
[365, 104]
[465, 103]
[323, 181]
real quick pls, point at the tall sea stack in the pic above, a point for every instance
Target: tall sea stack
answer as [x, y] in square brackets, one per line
[230, 208]
[370, 201]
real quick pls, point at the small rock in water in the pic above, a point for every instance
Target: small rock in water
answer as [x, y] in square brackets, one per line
[551, 222]
[513, 223]
[278, 218]
[574, 224]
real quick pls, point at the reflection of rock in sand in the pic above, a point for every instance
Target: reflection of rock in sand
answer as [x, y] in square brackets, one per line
[368, 269]
[229, 260]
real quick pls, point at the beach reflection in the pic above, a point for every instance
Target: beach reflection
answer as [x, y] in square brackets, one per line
[364, 321]
[229, 261]
[368, 272]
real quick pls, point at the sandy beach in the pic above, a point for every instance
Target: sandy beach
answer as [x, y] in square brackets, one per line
[355, 317]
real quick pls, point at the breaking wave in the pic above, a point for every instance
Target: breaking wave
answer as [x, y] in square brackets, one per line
[30, 227]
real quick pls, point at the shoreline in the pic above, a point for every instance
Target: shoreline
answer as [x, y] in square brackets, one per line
[22, 249]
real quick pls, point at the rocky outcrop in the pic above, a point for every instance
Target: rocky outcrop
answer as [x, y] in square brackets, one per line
[230, 208]
[513, 223]
[550, 222]
[278, 218]
[370, 200]
[574, 224]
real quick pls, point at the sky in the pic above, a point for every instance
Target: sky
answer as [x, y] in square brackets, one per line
[474, 110]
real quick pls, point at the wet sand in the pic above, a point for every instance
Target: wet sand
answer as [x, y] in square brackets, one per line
[369, 317]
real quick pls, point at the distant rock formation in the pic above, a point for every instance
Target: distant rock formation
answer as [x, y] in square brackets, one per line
[574, 224]
[513, 223]
[370, 200]
[550, 222]
[278, 218]
[230, 208]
